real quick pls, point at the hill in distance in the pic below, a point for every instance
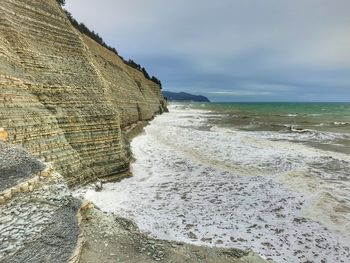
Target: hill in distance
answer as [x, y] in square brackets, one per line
[183, 96]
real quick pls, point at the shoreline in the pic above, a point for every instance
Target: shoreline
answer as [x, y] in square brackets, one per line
[107, 235]
[135, 129]
[109, 238]
[130, 131]
[174, 191]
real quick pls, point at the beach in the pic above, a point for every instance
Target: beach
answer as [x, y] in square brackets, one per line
[219, 177]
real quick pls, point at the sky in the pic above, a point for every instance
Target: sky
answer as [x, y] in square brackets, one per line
[232, 50]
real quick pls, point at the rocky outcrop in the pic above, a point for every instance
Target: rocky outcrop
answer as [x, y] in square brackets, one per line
[38, 215]
[64, 97]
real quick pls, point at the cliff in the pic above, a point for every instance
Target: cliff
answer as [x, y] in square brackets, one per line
[65, 98]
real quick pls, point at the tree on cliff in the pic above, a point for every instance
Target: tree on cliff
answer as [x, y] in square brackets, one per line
[155, 80]
[61, 2]
[133, 64]
[145, 73]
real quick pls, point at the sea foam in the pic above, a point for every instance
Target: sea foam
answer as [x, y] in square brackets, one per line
[230, 188]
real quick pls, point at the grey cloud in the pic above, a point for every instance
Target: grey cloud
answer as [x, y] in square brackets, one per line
[271, 50]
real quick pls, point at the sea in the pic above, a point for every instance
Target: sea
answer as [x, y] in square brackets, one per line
[270, 177]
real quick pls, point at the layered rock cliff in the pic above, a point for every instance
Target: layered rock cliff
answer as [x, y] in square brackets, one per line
[65, 98]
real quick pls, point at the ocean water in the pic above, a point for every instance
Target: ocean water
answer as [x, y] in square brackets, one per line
[274, 178]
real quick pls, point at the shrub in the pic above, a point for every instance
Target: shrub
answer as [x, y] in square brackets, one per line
[61, 2]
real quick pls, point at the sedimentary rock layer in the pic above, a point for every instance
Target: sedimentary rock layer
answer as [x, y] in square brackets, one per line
[64, 97]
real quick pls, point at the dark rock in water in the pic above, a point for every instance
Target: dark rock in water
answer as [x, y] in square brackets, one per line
[98, 186]
[183, 96]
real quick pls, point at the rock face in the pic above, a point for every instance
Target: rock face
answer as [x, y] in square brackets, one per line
[64, 97]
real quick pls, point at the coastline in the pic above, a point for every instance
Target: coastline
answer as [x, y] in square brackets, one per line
[130, 132]
[174, 192]
[107, 236]
[135, 129]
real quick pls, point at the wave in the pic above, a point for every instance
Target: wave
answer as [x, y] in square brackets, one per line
[286, 132]
[233, 188]
[330, 210]
[298, 134]
[336, 123]
[300, 130]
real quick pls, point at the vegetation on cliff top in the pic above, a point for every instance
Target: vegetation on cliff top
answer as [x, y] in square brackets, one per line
[183, 96]
[95, 36]
[61, 2]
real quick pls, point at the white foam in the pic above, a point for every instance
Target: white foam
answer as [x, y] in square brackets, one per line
[234, 189]
[305, 135]
[341, 123]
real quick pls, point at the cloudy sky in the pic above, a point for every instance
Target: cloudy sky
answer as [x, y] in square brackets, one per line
[232, 50]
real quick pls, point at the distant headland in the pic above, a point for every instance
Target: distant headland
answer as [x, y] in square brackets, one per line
[183, 96]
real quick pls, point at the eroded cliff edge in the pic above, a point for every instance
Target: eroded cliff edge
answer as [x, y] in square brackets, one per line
[64, 97]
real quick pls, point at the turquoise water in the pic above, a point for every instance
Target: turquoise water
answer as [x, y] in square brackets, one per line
[323, 125]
